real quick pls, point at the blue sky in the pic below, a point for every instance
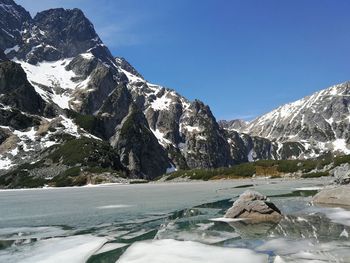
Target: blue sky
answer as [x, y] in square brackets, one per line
[243, 58]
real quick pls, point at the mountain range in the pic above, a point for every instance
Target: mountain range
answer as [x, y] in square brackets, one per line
[72, 113]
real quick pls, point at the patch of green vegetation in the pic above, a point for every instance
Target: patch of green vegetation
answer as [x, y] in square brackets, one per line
[341, 159]
[89, 123]
[237, 171]
[139, 182]
[64, 181]
[273, 168]
[98, 170]
[315, 175]
[73, 172]
[86, 152]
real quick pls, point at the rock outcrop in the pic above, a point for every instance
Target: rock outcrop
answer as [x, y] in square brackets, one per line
[255, 208]
[342, 174]
[339, 195]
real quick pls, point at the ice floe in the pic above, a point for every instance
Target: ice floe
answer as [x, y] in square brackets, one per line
[73, 249]
[172, 251]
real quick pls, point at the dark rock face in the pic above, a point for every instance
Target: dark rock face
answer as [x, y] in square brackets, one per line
[16, 90]
[14, 20]
[2, 56]
[207, 146]
[139, 149]
[114, 109]
[51, 35]
[254, 207]
[68, 31]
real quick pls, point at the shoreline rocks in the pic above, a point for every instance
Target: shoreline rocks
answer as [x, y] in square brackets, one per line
[254, 207]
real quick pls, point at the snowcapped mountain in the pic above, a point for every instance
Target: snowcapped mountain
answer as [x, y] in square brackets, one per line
[78, 92]
[318, 123]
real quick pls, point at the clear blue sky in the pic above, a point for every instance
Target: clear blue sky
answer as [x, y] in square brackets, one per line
[243, 58]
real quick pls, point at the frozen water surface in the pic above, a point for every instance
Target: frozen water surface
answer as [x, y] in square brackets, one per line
[175, 222]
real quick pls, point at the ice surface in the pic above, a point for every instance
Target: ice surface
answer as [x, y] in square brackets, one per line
[74, 249]
[172, 251]
[109, 247]
[14, 233]
[306, 250]
[338, 215]
[226, 220]
[113, 206]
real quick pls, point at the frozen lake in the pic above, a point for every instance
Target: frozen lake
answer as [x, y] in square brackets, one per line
[168, 223]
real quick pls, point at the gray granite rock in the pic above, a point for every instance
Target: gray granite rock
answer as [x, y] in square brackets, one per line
[254, 207]
[333, 196]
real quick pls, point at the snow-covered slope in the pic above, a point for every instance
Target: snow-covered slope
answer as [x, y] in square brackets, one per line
[320, 121]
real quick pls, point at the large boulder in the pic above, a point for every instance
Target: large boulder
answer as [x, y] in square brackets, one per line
[333, 196]
[255, 208]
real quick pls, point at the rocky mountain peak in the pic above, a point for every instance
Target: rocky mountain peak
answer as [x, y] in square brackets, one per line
[13, 19]
[125, 65]
[52, 35]
[236, 125]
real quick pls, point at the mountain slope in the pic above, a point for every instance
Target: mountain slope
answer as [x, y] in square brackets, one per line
[91, 94]
[320, 122]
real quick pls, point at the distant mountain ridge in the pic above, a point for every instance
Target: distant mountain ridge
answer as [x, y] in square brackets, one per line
[319, 122]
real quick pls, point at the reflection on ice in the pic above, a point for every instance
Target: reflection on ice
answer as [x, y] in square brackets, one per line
[172, 251]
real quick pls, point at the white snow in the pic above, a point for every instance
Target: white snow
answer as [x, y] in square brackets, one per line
[9, 50]
[161, 137]
[250, 155]
[161, 103]
[50, 74]
[87, 56]
[131, 77]
[62, 100]
[70, 126]
[14, 151]
[344, 233]
[340, 145]
[171, 169]
[5, 163]
[31, 134]
[172, 251]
